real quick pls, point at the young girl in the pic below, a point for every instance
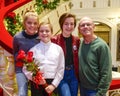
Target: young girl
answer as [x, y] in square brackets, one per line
[51, 58]
[25, 40]
[70, 45]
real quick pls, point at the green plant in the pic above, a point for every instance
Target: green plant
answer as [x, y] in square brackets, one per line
[44, 4]
[13, 23]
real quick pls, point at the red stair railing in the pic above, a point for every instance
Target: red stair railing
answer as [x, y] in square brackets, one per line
[5, 37]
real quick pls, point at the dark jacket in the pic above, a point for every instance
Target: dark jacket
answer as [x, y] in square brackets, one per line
[59, 39]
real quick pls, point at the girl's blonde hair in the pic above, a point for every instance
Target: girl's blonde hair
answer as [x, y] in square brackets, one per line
[28, 14]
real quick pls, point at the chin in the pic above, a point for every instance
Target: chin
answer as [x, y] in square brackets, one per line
[46, 41]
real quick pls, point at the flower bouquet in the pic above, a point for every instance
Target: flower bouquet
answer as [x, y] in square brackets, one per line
[30, 68]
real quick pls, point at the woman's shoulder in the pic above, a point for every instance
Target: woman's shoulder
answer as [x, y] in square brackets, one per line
[75, 37]
[18, 34]
[56, 36]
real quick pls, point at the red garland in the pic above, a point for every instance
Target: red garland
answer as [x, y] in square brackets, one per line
[11, 15]
[45, 2]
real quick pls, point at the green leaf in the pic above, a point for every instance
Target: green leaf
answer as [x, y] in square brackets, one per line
[30, 68]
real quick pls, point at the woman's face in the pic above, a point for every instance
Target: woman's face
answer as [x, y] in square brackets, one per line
[68, 26]
[45, 33]
[31, 25]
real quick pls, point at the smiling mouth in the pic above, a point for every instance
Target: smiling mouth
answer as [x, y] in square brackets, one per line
[45, 36]
[86, 31]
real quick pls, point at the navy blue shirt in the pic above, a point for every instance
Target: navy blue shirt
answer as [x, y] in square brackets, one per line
[23, 41]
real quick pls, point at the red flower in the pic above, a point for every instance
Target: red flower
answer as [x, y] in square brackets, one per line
[44, 1]
[38, 77]
[21, 55]
[27, 61]
[19, 64]
[11, 15]
[29, 56]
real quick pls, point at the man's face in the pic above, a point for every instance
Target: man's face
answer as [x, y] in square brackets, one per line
[86, 26]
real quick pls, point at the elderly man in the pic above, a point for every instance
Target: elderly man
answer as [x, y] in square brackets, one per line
[94, 61]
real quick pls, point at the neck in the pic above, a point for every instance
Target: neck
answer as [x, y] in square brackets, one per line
[88, 40]
[65, 35]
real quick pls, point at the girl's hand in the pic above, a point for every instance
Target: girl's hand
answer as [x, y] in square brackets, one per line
[50, 88]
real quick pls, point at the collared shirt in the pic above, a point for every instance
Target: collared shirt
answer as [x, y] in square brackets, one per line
[51, 60]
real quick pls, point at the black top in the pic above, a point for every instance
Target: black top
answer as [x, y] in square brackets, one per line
[69, 52]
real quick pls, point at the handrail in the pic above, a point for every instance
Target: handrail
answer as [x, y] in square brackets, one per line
[5, 37]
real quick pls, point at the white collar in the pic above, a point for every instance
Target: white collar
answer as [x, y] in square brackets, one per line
[45, 44]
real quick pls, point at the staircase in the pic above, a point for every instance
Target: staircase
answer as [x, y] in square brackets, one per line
[8, 86]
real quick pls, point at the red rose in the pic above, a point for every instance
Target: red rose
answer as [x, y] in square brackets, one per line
[38, 78]
[19, 64]
[27, 61]
[29, 56]
[21, 55]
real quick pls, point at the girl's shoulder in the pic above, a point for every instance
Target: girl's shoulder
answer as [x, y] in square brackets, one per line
[18, 34]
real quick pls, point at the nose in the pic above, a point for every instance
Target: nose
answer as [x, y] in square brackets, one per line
[69, 25]
[32, 24]
[85, 25]
[44, 32]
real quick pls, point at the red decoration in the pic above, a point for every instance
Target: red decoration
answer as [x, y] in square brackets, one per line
[11, 15]
[2, 4]
[45, 2]
[115, 84]
[8, 2]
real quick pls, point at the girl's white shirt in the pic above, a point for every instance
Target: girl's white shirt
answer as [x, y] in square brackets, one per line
[51, 60]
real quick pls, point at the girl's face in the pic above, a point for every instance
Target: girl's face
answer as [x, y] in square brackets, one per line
[31, 25]
[68, 26]
[45, 33]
